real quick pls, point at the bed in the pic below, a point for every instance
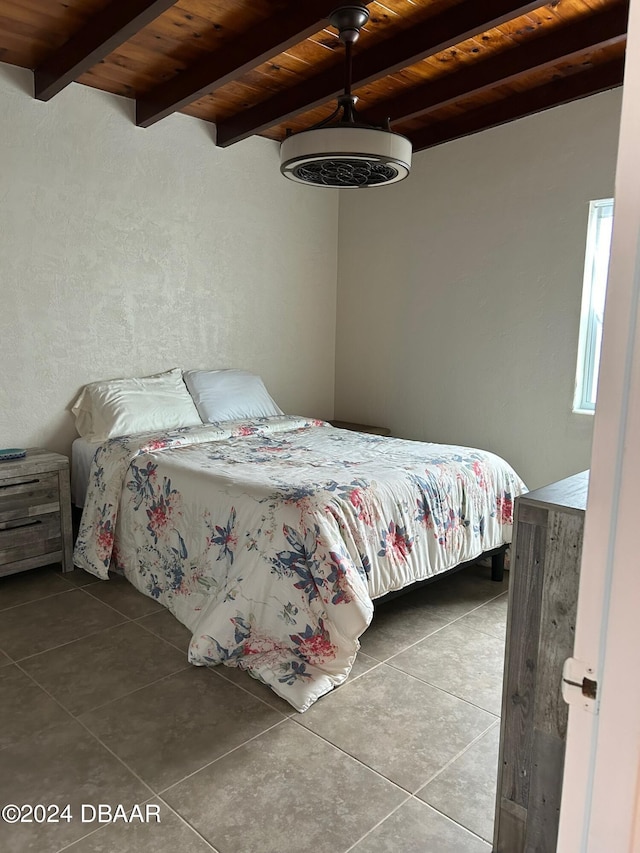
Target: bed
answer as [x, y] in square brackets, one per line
[271, 537]
[82, 453]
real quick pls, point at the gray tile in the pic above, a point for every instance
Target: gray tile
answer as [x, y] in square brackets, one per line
[241, 678]
[62, 765]
[78, 577]
[25, 709]
[363, 663]
[177, 725]
[123, 597]
[167, 836]
[30, 586]
[466, 789]
[4, 659]
[165, 625]
[257, 688]
[461, 661]
[490, 619]
[415, 828]
[397, 625]
[105, 666]
[399, 726]
[41, 625]
[458, 593]
[304, 795]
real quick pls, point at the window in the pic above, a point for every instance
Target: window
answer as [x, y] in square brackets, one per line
[596, 267]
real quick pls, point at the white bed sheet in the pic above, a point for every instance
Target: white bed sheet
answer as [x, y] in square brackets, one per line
[82, 453]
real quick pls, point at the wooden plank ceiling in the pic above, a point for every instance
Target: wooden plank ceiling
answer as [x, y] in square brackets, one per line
[439, 69]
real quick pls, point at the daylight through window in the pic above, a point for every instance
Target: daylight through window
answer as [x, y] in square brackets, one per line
[596, 267]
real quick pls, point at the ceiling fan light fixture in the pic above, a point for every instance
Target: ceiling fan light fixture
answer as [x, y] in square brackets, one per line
[346, 153]
[346, 156]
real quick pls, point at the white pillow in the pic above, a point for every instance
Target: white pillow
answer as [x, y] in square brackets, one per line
[128, 406]
[227, 395]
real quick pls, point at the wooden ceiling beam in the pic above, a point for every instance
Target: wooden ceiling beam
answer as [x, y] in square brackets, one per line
[467, 19]
[274, 36]
[599, 78]
[596, 31]
[101, 35]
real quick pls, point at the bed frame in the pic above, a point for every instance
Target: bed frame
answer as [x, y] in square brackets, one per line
[497, 574]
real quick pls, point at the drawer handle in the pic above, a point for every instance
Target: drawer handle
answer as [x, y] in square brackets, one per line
[14, 525]
[15, 485]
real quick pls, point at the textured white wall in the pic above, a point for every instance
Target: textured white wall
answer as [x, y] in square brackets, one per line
[459, 290]
[126, 251]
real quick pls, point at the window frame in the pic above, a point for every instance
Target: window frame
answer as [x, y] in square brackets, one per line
[590, 336]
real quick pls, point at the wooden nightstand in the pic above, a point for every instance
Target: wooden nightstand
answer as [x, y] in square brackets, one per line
[375, 430]
[35, 512]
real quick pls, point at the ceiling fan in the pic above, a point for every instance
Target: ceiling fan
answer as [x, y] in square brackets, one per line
[341, 151]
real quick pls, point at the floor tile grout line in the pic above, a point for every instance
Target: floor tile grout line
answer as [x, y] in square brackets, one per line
[124, 695]
[68, 643]
[437, 631]
[92, 734]
[186, 822]
[92, 832]
[417, 642]
[183, 819]
[422, 803]
[119, 612]
[187, 665]
[145, 802]
[443, 690]
[40, 598]
[53, 698]
[422, 681]
[165, 790]
[493, 723]
[453, 820]
[379, 823]
[154, 794]
[215, 669]
[63, 575]
[459, 755]
[75, 716]
[249, 693]
[138, 621]
[352, 757]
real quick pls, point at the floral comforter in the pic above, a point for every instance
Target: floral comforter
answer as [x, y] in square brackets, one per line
[269, 539]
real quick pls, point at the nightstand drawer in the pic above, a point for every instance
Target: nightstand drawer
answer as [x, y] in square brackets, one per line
[22, 538]
[21, 497]
[35, 512]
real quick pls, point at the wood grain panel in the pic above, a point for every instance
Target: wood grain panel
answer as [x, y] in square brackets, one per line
[543, 813]
[376, 99]
[522, 652]
[192, 33]
[27, 496]
[33, 538]
[512, 829]
[548, 529]
[557, 619]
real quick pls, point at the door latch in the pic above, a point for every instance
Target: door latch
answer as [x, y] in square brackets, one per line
[579, 687]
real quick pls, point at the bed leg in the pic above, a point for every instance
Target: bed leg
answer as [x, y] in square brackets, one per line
[497, 567]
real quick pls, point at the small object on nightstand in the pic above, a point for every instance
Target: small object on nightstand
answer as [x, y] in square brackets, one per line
[374, 430]
[9, 453]
[35, 511]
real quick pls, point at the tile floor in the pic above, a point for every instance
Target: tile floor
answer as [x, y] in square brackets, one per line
[98, 705]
